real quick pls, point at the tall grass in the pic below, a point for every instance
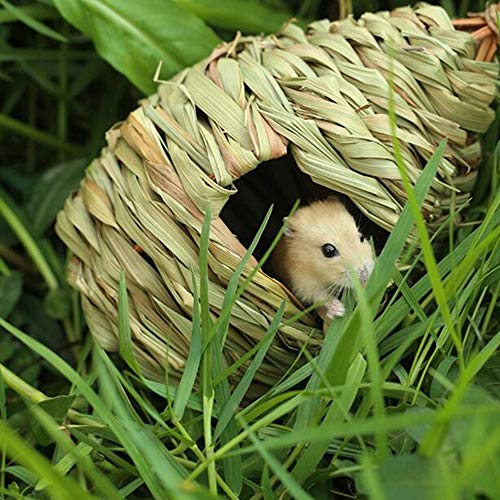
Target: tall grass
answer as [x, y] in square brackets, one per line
[387, 403]
[401, 401]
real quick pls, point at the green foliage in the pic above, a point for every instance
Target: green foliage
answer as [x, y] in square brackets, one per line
[57, 408]
[403, 395]
[247, 16]
[11, 286]
[134, 39]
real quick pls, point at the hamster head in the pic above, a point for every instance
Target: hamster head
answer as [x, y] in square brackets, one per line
[323, 245]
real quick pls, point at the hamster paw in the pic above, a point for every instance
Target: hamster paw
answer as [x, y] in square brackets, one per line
[335, 309]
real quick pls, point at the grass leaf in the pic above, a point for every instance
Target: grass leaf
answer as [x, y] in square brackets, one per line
[59, 486]
[229, 409]
[292, 487]
[27, 18]
[193, 361]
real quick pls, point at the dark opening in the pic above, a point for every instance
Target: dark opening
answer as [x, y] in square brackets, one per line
[280, 182]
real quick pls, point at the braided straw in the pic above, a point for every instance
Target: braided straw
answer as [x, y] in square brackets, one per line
[322, 95]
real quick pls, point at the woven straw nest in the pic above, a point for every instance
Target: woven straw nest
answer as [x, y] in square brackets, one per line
[321, 95]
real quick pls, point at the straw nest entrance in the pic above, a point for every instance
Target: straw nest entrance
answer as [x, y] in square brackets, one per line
[323, 97]
[280, 183]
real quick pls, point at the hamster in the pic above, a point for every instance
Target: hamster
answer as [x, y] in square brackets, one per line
[313, 257]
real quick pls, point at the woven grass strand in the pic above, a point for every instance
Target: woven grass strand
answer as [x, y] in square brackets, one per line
[322, 95]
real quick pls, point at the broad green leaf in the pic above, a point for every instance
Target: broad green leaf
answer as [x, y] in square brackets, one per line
[416, 476]
[51, 191]
[248, 16]
[134, 37]
[438, 431]
[57, 408]
[478, 442]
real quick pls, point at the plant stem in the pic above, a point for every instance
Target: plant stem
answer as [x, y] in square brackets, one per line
[18, 385]
[37, 135]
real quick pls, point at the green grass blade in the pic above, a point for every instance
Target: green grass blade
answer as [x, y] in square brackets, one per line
[221, 326]
[60, 487]
[121, 431]
[168, 473]
[76, 453]
[370, 343]
[4, 268]
[27, 18]
[338, 410]
[35, 134]
[186, 384]
[292, 487]
[3, 418]
[230, 408]
[37, 11]
[11, 215]
[343, 343]
[365, 426]
[210, 355]
[393, 315]
[428, 253]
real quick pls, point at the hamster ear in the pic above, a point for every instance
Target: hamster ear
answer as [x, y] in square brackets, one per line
[288, 229]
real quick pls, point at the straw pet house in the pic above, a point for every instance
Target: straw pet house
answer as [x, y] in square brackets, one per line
[318, 98]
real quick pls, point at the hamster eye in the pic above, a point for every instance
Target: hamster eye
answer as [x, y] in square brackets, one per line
[329, 250]
[361, 237]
